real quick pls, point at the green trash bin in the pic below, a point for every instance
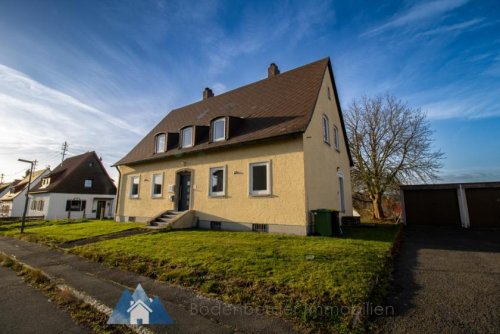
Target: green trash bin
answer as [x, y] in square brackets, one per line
[323, 222]
[326, 222]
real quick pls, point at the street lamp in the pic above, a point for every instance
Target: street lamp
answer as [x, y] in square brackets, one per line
[27, 191]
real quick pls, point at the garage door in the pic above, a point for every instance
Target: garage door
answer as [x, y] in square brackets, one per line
[484, 206]
[432, 207]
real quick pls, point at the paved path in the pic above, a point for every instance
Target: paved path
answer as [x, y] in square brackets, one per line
[446, 281]
[191, 313]
[25, 310]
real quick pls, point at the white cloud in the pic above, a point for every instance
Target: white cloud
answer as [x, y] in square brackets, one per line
[417, 14]
[36, 120]
[454, 27]
[469, 175]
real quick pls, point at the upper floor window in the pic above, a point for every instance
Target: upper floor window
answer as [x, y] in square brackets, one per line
[336, 138]
[219, 129]
[88, 183]
[326, 130]
[328, 92]
[187, 137]
[134, 186]
[157, 185]
[160, 141]
[260, 178]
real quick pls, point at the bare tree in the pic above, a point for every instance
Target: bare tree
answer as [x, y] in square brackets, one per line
[391, 144]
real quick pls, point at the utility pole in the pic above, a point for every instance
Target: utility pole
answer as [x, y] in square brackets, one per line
[27, 192]
[1, 178]
[64, 148]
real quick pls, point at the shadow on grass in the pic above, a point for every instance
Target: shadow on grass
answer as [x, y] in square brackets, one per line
[383, 232]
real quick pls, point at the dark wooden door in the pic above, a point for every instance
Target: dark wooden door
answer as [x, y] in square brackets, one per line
[184, 191]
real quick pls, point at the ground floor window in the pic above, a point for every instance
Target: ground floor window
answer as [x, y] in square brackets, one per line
[157, 185]
[75, 205]
[134, 186]
[217, 181]
[37, 205]
[341, 194]
[260, 178]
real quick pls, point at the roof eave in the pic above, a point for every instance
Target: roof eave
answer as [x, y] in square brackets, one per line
[218, 147]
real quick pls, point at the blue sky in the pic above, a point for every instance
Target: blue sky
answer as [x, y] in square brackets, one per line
[101, 74]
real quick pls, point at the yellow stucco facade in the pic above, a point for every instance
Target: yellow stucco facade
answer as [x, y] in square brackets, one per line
[324, 164]
[304, 175]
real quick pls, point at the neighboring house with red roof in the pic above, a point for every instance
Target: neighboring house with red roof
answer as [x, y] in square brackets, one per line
[259, 157]
[13, 201]
[79, 187]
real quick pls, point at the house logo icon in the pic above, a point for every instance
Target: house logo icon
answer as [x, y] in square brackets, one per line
[139, 309]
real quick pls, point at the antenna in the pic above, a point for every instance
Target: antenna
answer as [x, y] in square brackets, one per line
[64, 148]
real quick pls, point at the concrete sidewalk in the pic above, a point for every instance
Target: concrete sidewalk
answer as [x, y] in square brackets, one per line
[24, 310]
[192, 313]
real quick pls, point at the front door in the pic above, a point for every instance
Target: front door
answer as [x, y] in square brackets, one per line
[184, 191]
[101, 207]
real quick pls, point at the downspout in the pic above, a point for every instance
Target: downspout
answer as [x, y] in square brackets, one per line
[118, 189]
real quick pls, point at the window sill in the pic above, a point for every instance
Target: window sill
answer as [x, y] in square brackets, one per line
[157, 197]
[260, 195]
[327, 143]
[134, 197]
[338, 150]
[217, 196]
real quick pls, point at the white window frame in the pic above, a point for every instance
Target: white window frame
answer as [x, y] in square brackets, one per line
[210, 179]
[153, 185]
[87, 184]
[223, 120]
[157, 148]
[45, 182]
[268, 179]
[183, 145]
[336, 138]
[40, 205]
[326, 129]
[132, 178]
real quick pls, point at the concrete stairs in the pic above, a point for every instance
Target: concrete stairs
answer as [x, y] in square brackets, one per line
[164, 220]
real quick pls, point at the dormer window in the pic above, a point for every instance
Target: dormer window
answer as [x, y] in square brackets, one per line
[45, 182]
[187, 137]
[160, 143]
[219, 129]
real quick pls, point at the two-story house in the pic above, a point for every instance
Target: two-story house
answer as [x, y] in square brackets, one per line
[79, 187]
[14, 198]
[259, 157]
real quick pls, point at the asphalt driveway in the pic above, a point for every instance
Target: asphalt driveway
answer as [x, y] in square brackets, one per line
[447, 280]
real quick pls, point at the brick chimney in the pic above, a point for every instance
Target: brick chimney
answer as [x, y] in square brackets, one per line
[272, 70]
[207, 93]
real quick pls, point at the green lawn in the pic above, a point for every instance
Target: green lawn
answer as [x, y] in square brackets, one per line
[53, 232]
[278, 272]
